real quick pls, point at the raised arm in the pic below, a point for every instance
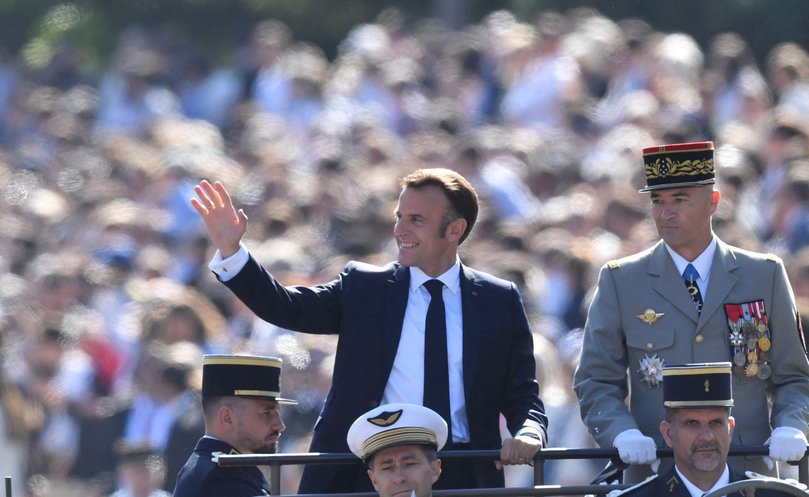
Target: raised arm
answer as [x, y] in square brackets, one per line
[225, 225]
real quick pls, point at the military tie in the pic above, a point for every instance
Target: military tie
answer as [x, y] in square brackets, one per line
[436, 370]
[690, 276]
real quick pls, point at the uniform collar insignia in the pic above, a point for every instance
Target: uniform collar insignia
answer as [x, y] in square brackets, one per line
[673, 481]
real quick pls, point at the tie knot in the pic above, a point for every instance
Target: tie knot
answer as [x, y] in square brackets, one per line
[690, 273]
[434, 287]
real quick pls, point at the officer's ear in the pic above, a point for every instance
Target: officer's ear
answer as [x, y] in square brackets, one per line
[435, 468]
[665, 430]
[226, 416]
[715, 198]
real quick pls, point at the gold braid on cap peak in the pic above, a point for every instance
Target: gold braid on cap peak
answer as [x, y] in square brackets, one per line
[398, 436]
[665, 167]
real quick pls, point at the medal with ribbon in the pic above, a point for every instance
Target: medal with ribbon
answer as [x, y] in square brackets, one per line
[750, 339]
[651, 371]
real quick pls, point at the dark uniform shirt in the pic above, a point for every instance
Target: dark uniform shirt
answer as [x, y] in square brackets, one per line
[201, 477]
[671, 485]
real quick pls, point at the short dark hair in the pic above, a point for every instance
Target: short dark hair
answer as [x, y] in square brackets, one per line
[209, 403]
[463, 199]
[429, 453]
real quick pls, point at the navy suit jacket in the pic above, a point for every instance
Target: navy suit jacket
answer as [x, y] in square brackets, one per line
[365, 306]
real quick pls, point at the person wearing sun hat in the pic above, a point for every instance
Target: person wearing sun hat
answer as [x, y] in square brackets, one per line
[698, 427]
[241, 396]
[399, 442]
[692, 298]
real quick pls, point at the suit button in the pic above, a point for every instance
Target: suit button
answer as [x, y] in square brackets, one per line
[699, 338]
[650, 346]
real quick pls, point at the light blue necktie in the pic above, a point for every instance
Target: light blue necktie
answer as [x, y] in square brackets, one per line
[690, 275]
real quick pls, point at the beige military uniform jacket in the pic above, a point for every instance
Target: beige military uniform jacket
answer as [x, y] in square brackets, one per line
[642, 314]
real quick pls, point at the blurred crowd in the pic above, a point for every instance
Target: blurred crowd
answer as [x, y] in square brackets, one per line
[106, 301]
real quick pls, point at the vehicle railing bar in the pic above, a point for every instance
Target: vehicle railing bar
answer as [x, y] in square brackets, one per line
[275, 461]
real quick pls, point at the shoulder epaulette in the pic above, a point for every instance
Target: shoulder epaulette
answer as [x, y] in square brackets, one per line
[613, 264]
[772, 257]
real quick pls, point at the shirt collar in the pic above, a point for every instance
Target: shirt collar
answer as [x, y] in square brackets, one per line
[695, 491]
[451, 278]
[702, 263]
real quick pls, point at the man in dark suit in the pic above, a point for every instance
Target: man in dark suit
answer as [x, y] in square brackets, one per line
[240, 399]
[381, 315]
[698, 427]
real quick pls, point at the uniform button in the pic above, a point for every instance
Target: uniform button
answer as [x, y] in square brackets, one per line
[650, 346]
[699, 338]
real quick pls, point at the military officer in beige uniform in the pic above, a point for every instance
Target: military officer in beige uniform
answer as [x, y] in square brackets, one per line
[692, 298]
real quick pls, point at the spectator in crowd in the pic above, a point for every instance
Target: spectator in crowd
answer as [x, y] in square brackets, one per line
[788, 72]
[140, 472]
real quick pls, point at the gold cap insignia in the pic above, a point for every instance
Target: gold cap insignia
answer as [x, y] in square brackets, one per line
[385, 418]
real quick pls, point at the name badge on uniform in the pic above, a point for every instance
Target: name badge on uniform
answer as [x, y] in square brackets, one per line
[750, 339]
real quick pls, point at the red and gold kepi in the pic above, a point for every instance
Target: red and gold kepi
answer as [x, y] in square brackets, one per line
[679, 165]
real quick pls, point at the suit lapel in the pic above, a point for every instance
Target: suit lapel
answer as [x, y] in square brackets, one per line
[669, 283]
[472, 310]
[721, 283]
[396, 303]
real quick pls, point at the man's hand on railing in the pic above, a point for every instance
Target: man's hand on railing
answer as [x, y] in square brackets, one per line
[636, 448]
[786, 444]
[519, 450]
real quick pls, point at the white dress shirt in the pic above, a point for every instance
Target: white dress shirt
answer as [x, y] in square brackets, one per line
[695, 491]
[406, 380]
[702, 264]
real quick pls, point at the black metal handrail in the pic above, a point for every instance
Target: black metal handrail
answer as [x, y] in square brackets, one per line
[276, 461]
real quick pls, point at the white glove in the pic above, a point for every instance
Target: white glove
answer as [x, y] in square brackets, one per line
[787, 444]
[635, 448]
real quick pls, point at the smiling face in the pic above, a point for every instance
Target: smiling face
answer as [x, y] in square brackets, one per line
[424, 237]
[700, 439]
[683, 217]
[400, 471]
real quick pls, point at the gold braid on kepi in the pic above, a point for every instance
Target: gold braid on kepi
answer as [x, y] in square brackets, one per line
[697, 385]
[679, 165]
[242, 376]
